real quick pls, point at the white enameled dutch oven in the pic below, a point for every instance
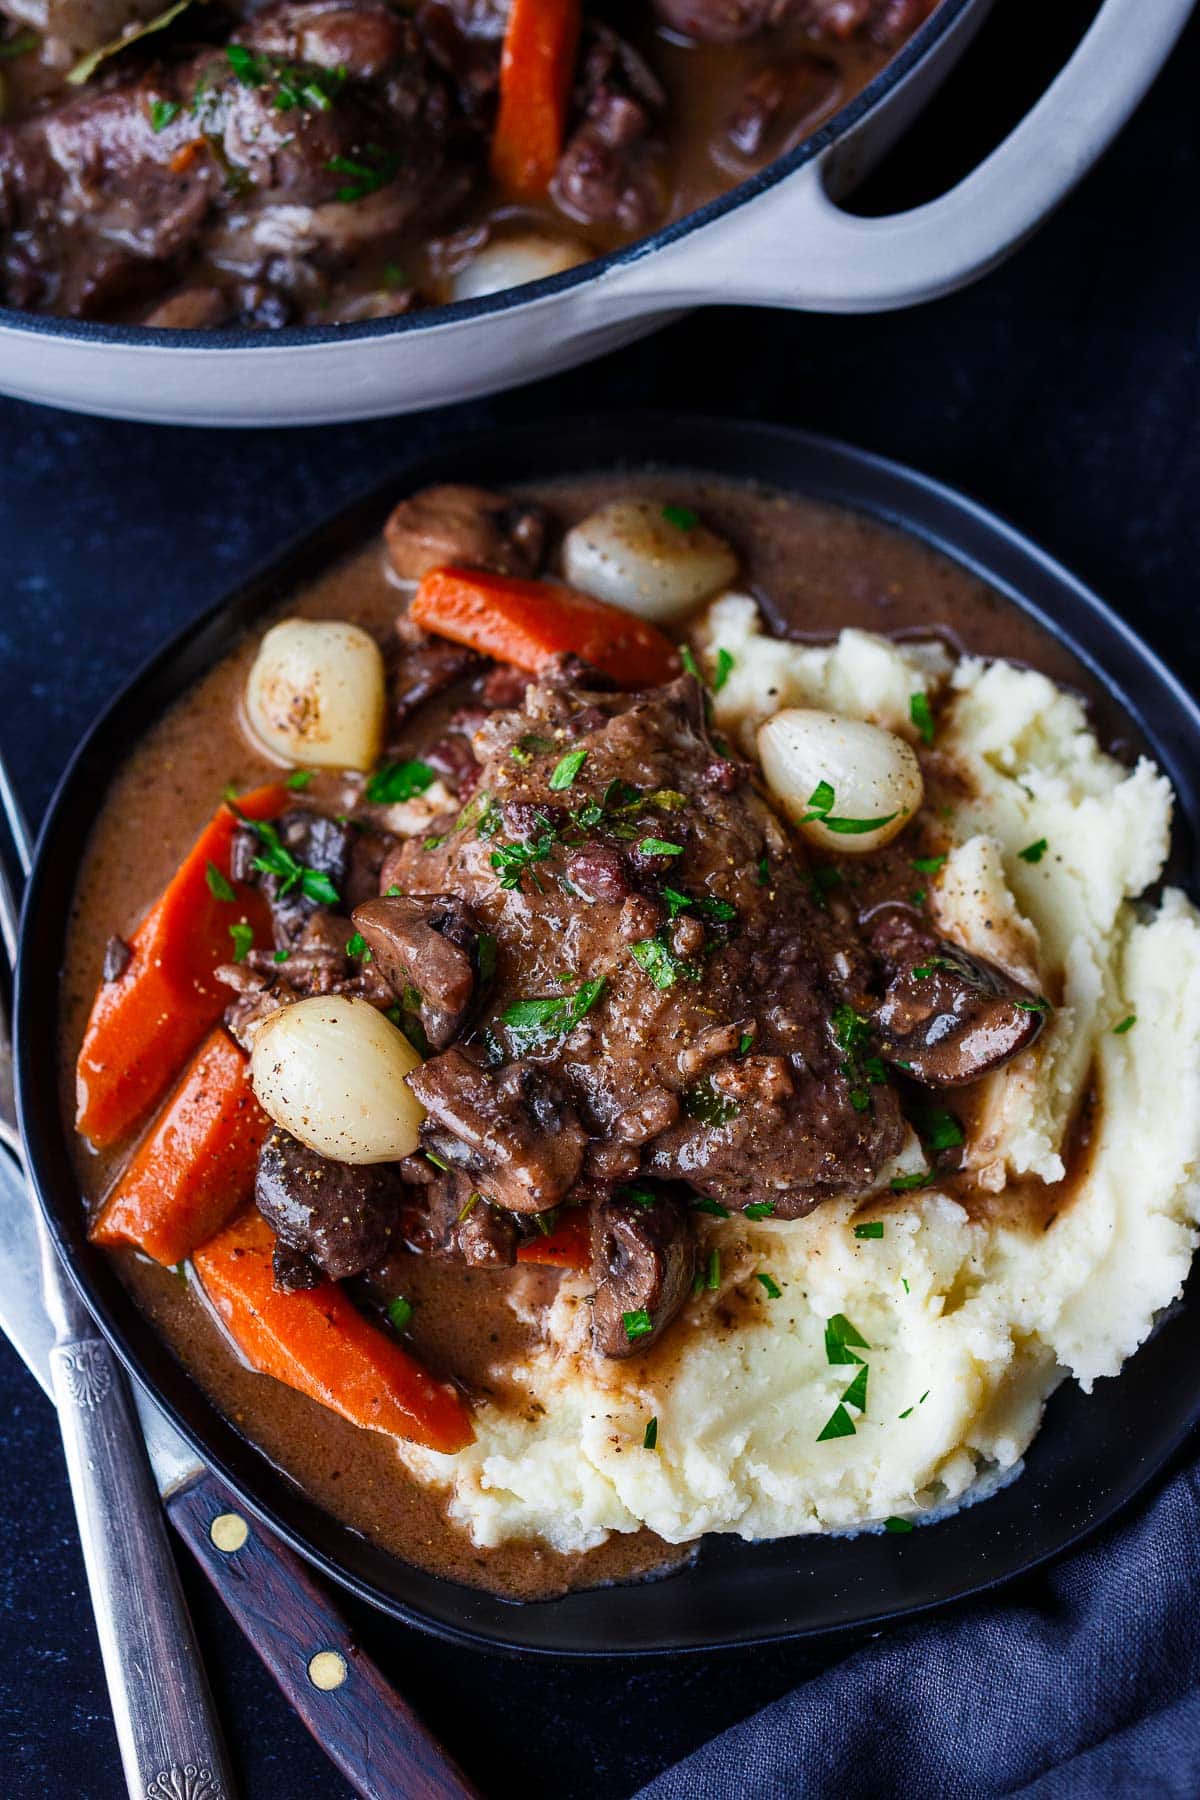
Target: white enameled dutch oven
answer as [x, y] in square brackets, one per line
[779, 239]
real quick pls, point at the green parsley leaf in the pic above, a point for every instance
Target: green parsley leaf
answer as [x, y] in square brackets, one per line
[639, 1195]
[920, 713]
[357, 946]
[928, 865]
[687, 657]
[764, 870]
[820, 802]
[681, 517]
[162, 112]
[400, 1311]
[821, 799]
[281, 956]
[511, 861]
[897, 1524]
[661, 964]
[704, 1103]
[702, 1204]
[712, 1275]
[917, 896]
[531, 1023]
[760, 1209]
[567, 769]
[278, 860]
[838, 1425]
[367, 174]
[399, 782]
[1127, 1024]
[905, 1184]
[219, 886]
[243, 939]
[770, 1286]
[1033, 853]
[939, 1128]
[745, 1044]
[1033, 1006]
[840, 1334]
[638, 1324]
[299, 778]
[907, 1413]
[856, 1393]
[872, 1229]
[652, 846]
[650, 1440]
[724, 668]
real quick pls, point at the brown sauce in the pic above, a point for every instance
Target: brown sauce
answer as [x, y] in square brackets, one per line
[816, 569]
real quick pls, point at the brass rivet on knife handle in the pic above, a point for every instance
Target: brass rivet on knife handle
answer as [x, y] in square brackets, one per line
[229, 1532]
[327, 1670]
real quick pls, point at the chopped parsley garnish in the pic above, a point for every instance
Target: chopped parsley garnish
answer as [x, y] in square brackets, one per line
[250, 70]
[687, 657]
[721, 911]
[764, 870]
[511, 861]
[638, 1324]
[357, 946]
[905, 1184]
[921, 714]
[278, 860]
[723, 670]
[712, 1275]
[1033, 853]
[872, 1229]
[1034, 1006]
[1127, 1024]
[760, 1209]
[639, 1195]
[219, 886]
[897, 1524]
[715, 1210]
[769, 1285]
[530, 1023]
[661, 964]
[472, 1202]
[838, 1425]
[852, 1034]
[162, 112]
[681, 517]
[281, 956]
[928, 865]
[650, 1439]
[299, 778]
[704, 1103]
[398, 782]
[745, 1044]
[822, 878]
[917, 896]
[567, 769]
[652, 846]
[366, 174]
[400, 1311]
[243, 939]
[820, 807]
[939, 1128]
[840, 1334]
[432, 1157]
[856, 1393]
[907, 1413]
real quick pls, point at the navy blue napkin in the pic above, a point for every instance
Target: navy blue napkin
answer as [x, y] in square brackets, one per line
[1080, 1684]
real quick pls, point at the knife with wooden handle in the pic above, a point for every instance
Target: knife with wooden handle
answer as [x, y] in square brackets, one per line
[122, 1455]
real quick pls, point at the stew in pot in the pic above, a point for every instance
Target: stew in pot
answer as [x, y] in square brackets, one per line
[323, 161]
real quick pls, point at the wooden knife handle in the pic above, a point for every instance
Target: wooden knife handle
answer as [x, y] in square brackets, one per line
[361, 1723]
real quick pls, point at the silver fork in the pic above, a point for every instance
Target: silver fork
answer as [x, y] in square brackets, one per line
[169, 1736]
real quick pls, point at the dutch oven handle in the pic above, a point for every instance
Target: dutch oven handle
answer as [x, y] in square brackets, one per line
[798, 248]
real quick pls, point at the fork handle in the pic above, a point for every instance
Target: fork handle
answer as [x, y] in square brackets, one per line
[166, 1725]
[359, 1720]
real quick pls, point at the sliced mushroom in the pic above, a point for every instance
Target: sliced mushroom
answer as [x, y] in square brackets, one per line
[516, 1131]
[947, 1018]
[458, 524]
[427, 947]
[643, 1260]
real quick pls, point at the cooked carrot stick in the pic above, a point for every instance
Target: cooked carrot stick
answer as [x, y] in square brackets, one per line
[196, 1165]
[537, 66]
[528, 623]
[146, 1023]
[318, 1343]
[568, 1246]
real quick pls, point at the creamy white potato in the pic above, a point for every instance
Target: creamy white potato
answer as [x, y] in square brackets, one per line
[968, 1324]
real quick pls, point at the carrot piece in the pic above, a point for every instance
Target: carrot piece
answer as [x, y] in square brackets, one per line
[195, 1166]
[144, 1025]
[568, 1246]
[537, 65]
[318, 1343]
[528, 623]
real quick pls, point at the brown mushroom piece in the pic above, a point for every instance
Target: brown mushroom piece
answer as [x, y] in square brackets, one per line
[515, 1130]
[947, 1018]
[643, 1261]
[427, 947]
[469, 525]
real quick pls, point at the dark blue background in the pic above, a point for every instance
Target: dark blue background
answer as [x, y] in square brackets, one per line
[1064, 391]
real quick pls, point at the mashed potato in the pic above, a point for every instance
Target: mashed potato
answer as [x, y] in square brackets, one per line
[967, 1324]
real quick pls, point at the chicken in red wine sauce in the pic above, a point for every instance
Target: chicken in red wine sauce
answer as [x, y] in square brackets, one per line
[462, 955]
[323, 162]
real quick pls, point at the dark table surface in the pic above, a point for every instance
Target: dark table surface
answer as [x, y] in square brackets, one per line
[1063, 390]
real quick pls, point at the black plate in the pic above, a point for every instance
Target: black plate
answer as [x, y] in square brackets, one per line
[1092, 1455]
